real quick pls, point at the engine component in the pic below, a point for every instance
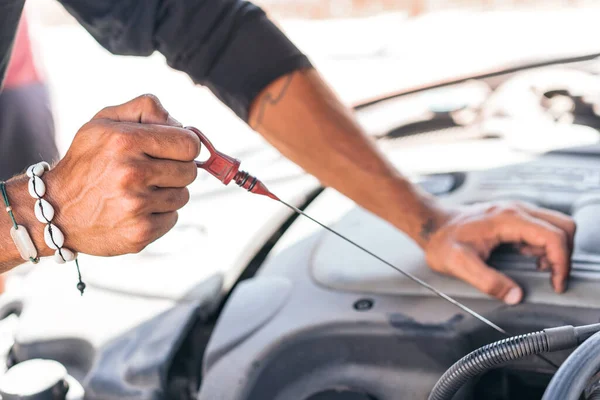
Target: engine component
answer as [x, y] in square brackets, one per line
[574, 374]
[503, 351]
[39, 380]
[341, 394]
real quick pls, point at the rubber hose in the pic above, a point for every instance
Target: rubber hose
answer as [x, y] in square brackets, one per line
[485, 358]
[503, 351]
[574, 374]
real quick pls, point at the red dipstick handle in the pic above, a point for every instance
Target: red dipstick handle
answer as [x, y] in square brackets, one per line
[226, 169]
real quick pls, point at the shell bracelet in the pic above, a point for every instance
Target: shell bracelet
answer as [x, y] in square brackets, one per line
[44, 212]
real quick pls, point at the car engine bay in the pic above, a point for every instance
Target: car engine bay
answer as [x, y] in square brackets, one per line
[298, 314]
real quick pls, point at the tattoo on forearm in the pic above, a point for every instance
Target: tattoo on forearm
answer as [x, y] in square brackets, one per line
[427, 229]
[271, 99]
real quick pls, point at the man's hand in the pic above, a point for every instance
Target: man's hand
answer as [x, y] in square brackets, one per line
[123, 179]
[460, 244]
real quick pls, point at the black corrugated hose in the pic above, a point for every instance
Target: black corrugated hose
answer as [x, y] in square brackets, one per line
[496, 354]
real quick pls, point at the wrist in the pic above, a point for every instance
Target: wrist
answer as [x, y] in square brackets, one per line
[420, 214]
[433, 217]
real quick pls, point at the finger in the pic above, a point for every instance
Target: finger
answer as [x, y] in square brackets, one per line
[163, 223]
[543, 264]
[145, 109]
[521, 227]
[556, 218]
[532, 251]
[167, 200]
[170, 174]
[164, 142]
[465, 264]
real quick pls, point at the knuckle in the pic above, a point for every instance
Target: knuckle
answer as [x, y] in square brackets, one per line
[119, 140]
[129, 175]
[106, 112]
[149, 100]
[141, 235]
[185, 196]
[571, 226]
[192, 143]
[136, 247]
[174, 219]
[504, 211]
[510, 210]
[151, 103]
[559, 237]
[179, 197]
[191, 172]
[89, 128]
[132, 205]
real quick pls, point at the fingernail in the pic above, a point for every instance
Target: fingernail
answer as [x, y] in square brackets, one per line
[513, 296]
[173, 121]
[560, 287]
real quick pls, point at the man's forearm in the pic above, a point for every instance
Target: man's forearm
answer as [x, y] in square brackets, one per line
[22, 205]
[301, 116]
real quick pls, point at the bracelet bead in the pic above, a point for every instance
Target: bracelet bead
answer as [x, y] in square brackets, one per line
[23, 242]
[64, 255]
[18, 233]
[37, 187]
[55, 240]
[44, 212]
[38, 169]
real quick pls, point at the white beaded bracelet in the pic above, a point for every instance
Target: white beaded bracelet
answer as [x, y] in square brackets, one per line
[44, 212]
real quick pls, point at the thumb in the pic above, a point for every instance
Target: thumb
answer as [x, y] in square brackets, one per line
[468, 266]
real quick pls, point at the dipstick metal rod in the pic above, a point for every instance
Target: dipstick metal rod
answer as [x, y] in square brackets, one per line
[405, 273]
[226, 169]
[415, 279]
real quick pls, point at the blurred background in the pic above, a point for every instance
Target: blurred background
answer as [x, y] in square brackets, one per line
[364, 48]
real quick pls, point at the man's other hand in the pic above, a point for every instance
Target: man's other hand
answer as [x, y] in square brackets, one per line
[462, 242]
[123, 179]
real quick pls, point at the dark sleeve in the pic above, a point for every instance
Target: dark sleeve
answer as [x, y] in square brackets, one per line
[10, 15]
[229, 46]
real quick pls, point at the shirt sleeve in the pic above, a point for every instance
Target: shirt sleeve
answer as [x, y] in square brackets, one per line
[230, 46]
[10, 15]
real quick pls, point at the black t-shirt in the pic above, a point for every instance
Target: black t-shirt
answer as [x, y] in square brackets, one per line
[229, 46]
